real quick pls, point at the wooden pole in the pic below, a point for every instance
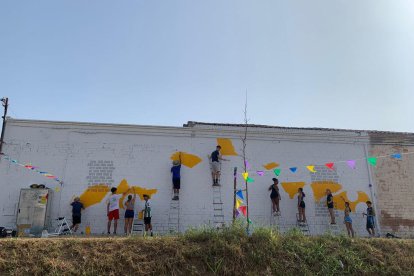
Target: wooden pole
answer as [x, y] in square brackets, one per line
[3, 128]
[234, 194]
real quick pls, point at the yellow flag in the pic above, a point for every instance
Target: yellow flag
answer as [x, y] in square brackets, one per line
[239, 202]
[311, 168]
[245, 175]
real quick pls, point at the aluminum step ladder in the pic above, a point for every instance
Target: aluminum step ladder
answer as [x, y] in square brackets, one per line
[304, 227]
[174, 217]
[274, 219]
[218, 214]
[138, 225]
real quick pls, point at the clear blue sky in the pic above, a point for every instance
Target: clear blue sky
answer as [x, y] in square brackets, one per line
[319, 63]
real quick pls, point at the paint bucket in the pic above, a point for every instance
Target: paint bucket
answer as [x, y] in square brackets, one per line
[88, 230]
[141, 215]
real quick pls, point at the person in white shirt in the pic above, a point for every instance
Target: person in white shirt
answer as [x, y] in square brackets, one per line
[112, 209]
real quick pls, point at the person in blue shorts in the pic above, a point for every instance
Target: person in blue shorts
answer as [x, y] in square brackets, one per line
[129, 212]
[348, 220]
[370, 214]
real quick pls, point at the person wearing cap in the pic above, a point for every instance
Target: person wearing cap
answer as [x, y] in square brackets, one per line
[77, 208]
[215, 165]
[176, 177]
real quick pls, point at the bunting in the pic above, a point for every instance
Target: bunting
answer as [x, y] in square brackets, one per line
[32, 168]
[372, 161]
[311, 168]
[243, 209]
[351, 164]
[330, 165]
[277, 171]
[239, 193]
[293, 169]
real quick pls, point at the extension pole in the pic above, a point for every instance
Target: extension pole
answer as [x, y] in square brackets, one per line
[234, 194]
[3, 128]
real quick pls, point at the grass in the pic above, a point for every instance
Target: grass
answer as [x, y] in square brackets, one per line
[207, 251]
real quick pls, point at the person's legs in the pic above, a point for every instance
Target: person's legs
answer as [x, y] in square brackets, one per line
[373, 231]
[332, 214]
[352, 229]
[273, 205]
[304, 215]
[348, 229]
[126, 224]
[115, 225]
[277, 204]
[109, 225]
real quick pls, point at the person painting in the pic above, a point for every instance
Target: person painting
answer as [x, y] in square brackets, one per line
[370, 219]
[129, 212]
[112, 208]
[147, 215]
[348, 220]
[301, 206]
[275, 196]
[176, 177]
[77, 208]
[330, 204]
[215, 165]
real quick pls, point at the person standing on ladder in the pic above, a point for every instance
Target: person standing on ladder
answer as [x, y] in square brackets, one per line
[176, 177]
[215, 165]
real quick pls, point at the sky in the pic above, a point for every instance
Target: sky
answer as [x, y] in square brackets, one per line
[321, 63]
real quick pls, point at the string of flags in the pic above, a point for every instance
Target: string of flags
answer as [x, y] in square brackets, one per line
[241, 208]
[33, 168]
[372, 160]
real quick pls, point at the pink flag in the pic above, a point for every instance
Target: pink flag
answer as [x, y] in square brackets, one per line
[260, 173]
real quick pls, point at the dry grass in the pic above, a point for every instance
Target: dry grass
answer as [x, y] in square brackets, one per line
[208, 252]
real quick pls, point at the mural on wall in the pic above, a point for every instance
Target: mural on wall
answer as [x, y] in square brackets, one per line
[95, 194]
[227, 147]
[187, 159]
[319, 193]
[291, 188]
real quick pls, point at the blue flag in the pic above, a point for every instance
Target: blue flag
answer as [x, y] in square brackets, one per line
[396, 155]
[293, 169]
[239, 193]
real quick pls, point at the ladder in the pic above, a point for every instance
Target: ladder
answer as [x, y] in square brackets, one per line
[304, 227]
[137, 225]
[174, 217]
[334, 229]
[274, 220]
[61, 229]
[218, 214]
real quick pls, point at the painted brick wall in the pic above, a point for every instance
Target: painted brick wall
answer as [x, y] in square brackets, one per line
[85, 154]
[395, 189]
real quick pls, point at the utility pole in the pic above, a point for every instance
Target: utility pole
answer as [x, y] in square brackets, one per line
[234, 193]
[5, 103]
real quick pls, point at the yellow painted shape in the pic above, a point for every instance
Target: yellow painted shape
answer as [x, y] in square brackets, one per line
[187, 159]
[270, 165]
[319, 188]
[340, 203]
[292, 187]
[227, 147]
[93, 195]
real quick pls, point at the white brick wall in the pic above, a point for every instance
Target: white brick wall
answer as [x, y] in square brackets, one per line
[141, 155]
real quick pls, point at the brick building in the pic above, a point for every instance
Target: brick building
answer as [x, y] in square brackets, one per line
[90, 158]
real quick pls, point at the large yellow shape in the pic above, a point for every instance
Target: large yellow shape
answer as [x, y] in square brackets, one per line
[93, 195]
[187, 159]
[319, 188]
[292, 187]
[340, 199]
[270, 165]
[227, 147]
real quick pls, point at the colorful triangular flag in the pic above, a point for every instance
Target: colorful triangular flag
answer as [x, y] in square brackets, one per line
[250, 180]
[351, 164]
[277, 171]
[293, 169]
[245, 175]
[311, 168]
[243, 209]
[396, 155]
[330, 165]
[249, 221]
[239, 203]
[246, 163]
[260, 173]
[239, 193]
[372, 161]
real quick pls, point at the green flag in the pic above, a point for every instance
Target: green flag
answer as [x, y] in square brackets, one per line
[277, 171]
[372, 161]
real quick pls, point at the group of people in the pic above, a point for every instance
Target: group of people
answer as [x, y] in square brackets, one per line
[215, 158]
[370, 213]
[112, 209]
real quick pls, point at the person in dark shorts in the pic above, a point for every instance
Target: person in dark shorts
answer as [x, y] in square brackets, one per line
[370, 219]
[77, 208]
[348, 220]
[301, 206]
[129, 212]
[275, 196]
[176, 177]
[147, 215]
[330, 204]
